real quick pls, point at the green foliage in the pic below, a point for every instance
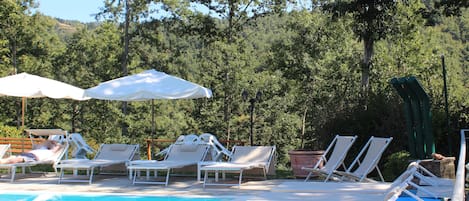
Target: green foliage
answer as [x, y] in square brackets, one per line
[306, 63]
[10, 131]
[396, 164]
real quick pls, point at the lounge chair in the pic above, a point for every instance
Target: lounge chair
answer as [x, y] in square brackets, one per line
[107, 155]
[429, 185]
[177, 156]
[427, 178]
[217, 150]
[367, 160]
[339, 147]
[53, 161]
[356, 190]
[242, 158]
[80, 147]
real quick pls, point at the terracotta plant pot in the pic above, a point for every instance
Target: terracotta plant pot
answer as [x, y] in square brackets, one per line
[303, 158]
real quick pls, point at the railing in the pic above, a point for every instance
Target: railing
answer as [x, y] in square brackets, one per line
[20, 144]
[458, 191]
[162, 143]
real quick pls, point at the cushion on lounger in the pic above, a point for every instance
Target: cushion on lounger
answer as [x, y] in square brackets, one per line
[188, 147]
[118, 147]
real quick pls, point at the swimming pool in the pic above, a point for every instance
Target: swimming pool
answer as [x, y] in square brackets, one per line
[97, 197]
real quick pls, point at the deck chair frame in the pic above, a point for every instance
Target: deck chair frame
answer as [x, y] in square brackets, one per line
[177, 156]
[234, 164]
[5, 150]
[53, 161]
[367, 160]
[339, 147]
[100, 160]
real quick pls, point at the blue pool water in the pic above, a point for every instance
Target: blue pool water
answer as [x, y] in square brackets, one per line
[412, 199]
[92, 197]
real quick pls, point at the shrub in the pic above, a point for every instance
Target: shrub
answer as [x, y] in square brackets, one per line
[396, 164]
[10, 131]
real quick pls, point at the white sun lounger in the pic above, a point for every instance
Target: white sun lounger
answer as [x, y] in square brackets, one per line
[107, 155]
[242, 158]
[339, 147]
[79, 145]
[53, 161]
[358, 190]
[429, 185]
[367, 160]
[177, 156]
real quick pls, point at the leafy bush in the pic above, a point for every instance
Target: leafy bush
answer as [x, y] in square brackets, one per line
[396, 164]
[10, 131]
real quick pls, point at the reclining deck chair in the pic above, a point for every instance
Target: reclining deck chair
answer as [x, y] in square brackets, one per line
[429, 185]
[339, 147]
[177, 156]
[53, 161]
[388, 191]
[367, 160]
[242, 158]
[107, 155]
[80, 147]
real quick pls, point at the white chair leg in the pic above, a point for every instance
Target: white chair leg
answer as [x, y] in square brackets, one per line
[167, 177]
[205, 177]
[198, 172]
[135, 176]
[240, 178]
[13, 174]
[91, 175]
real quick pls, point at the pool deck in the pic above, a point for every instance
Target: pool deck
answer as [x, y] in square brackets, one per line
[289, 189]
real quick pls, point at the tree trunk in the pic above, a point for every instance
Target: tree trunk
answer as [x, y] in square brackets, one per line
[125, 54]
[303, 127]
[19, 113]
[227, 109]
[368, 43]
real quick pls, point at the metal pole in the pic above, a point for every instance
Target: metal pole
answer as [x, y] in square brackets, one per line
[23, 106]
[252, 120]
[153, 118]
[445, 91]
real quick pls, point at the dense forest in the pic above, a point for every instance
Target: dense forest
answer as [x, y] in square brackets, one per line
[321, 67]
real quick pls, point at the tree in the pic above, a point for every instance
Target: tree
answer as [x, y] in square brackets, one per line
[372, 21]
[13, 31]
[131, 11]
[227, 54]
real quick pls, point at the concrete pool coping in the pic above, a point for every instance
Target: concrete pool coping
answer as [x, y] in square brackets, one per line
[276, 189]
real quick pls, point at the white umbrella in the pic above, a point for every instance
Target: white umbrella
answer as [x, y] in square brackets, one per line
[32, 86]
[148, 85]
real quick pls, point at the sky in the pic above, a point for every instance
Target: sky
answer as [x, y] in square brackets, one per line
[81, 10]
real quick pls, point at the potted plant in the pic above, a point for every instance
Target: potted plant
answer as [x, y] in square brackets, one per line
[307, 155]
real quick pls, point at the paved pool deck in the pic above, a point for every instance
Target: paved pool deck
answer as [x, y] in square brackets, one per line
[277, 189]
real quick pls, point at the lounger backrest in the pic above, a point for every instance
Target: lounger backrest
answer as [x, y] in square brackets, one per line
[54, 159]
[187, 152]
[341, 146]
[252, 154]
[4, 148]
[187, 139]
[80, 143]
[374, 149]
[404, 177]
[122, 152]
[217, 150]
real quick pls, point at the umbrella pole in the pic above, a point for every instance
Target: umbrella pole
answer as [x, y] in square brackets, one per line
[152, 118]
[23, 103]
